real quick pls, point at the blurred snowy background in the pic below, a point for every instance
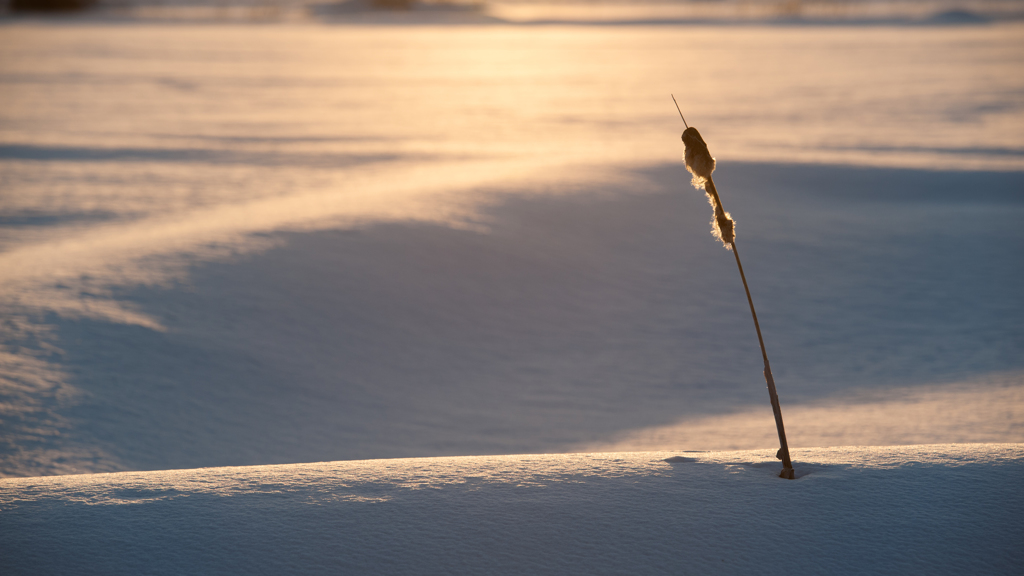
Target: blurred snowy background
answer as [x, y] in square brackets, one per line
[277, 232]
[545, 11]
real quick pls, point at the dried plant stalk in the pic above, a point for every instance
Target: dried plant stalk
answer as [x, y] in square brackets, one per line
[700, 163]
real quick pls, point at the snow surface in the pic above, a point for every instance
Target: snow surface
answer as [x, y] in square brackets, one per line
[980, 410]
[264, 244]
[239, 245]
[936, 509]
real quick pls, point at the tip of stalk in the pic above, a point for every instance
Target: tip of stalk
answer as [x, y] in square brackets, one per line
[679, 110]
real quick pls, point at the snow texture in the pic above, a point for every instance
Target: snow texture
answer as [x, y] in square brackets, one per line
[937, 509]
[241, 245]
[980, 410]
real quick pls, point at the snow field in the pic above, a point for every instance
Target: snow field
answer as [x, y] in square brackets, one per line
[935, 509]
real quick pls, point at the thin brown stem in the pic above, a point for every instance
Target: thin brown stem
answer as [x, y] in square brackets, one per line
[787, 463]
[680, 110]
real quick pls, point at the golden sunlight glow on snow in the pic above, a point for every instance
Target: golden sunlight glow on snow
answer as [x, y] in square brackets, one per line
[405, 123]
[988, 409]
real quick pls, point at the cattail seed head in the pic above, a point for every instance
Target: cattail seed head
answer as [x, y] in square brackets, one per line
[700, 163]
[698, 160]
